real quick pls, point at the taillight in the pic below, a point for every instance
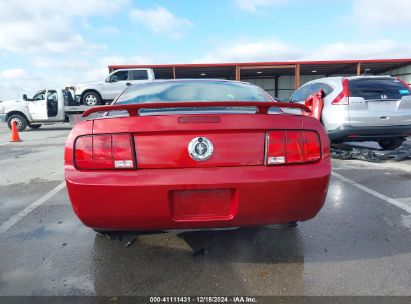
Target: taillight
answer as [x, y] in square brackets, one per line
[343, 97]
[111, 151]
[404, 83]
[292, 147]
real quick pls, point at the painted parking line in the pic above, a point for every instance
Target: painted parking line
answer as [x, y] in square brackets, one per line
[17, 217]
[373, 192]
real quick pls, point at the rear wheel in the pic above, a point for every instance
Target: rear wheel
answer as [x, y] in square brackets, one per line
[391, 143]
[91, 99]
[21, 121]
[34, 126]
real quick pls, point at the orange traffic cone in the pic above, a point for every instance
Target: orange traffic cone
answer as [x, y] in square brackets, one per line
[14, 132]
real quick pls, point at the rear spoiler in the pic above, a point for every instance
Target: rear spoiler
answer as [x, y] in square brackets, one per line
[132, 109]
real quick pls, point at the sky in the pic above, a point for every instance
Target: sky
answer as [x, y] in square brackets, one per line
[51, 44]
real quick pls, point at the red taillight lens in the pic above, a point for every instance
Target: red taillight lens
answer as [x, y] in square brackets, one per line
[404, 83]
[343, 97]
[295, 147]
[112, 151]
[312, 146]
[291, 147]
[83, 152]
[275, 147]
[102, 155]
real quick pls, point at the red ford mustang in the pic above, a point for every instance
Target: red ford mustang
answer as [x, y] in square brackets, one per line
[184, 154]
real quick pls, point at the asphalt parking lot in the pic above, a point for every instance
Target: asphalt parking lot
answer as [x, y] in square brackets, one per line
[359, 244]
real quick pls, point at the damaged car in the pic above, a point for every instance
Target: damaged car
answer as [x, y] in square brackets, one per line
[196, 153]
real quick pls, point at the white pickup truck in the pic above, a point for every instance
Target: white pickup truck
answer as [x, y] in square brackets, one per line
[46, 107]
[103, 91]
[59, 105]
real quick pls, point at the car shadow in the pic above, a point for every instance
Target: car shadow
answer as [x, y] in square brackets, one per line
[223, 262]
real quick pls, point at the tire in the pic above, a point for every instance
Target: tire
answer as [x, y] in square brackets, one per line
[390, 144]
[20, 120]
[91, 99]
[37, 126]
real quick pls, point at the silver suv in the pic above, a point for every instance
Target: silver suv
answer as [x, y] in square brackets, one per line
[363, 108]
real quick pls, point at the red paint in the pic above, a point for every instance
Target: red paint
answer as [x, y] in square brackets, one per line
[132, 109]
[343, 97]
[232, 148]
[404, 83]
[233, 188]
[315, 103]
[206, 205]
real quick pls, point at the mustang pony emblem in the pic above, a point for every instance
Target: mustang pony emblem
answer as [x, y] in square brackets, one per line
[200, 148]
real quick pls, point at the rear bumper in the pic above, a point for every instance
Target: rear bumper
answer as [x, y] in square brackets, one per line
[142, 199]
[346, 132]
[3, 118]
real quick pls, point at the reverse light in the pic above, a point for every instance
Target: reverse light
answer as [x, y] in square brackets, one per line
[292, 147]
[343, 97]
[108, 151]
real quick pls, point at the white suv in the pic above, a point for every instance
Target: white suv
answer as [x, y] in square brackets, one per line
[363, 108]
[102, 91]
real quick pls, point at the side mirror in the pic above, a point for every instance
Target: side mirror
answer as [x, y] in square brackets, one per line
[24, 97]
[107, 79]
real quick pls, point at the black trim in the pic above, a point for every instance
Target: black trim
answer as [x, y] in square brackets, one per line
[368, 133]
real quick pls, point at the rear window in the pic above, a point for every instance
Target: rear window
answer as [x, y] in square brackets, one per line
[300, 94]
[316, 87]
[378, 88]
[186, 91]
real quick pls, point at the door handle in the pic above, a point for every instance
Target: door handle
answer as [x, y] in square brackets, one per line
[128, 84]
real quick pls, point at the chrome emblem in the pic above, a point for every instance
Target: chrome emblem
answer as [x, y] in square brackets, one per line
[200, 148]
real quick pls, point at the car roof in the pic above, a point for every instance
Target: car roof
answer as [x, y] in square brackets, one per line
[339, 78]
[370, 77]
[198, 80]
[130, 69]
[205, 80]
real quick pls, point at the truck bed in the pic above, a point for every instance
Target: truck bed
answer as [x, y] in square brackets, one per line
[74, 113]
[76, 109]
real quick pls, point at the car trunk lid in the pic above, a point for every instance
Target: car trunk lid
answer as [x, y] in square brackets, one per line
[164, 141]
[189, 149]
[179, 139]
